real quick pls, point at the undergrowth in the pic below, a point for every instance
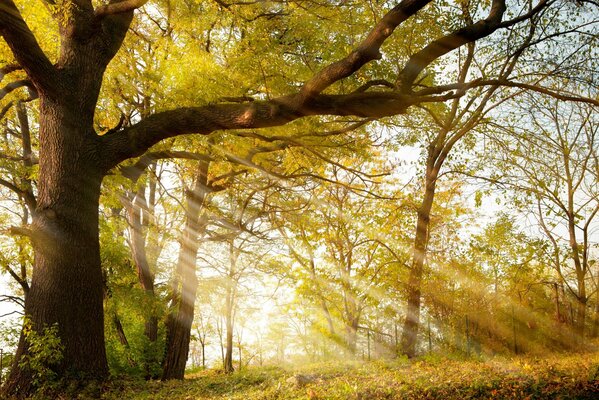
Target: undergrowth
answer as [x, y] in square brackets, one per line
[553, 377]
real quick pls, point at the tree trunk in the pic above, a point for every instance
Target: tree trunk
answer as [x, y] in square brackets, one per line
[409, 339]
[228, 364]
[67, 286]
[138, 229]
[581, 312]
[595, 331]
[239, 350]
[180, 319]
[558, 314]
[351, 334]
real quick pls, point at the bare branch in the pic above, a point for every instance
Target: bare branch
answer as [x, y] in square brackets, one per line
[13, 299]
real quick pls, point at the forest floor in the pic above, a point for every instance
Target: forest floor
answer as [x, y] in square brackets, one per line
[551, 377]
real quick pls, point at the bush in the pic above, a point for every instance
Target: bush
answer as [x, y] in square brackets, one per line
[44, 355]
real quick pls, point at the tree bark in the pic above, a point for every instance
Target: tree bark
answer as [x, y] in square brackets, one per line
[66, 289]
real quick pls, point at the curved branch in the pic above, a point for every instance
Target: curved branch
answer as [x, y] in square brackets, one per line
[136, 139]
[367, 51]
[7, 69]
[470, 33]
[15, 85]
[25, 47]
[32, 96]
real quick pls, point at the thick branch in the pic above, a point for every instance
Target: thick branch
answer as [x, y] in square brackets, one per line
[20, 231]
[24, 46]
[367, 51]
[419, 61]
[135, 140]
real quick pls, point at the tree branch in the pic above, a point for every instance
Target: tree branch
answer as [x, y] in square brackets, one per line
[136, 139]
[470, 33]
[133, 172]
[366, 51]
[25, 47]
[7, 69]
[15, 85]
[20, 231]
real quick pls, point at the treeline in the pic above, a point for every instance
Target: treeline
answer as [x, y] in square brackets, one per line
[307, 256]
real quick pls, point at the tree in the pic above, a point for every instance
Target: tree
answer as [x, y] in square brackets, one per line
[446, 126]
[66, 286]
[549, 157]
[341, 258]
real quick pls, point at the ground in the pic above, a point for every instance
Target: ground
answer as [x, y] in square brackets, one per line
[551, 377]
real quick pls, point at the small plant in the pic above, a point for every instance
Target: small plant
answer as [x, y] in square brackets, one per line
[44, 354]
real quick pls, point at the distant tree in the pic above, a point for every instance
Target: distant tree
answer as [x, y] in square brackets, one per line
[548, 156]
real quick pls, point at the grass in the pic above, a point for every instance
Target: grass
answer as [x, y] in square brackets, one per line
[553, 377]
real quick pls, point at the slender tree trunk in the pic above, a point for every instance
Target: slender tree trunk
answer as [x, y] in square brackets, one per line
[239, 350]
[119, 330]
[581, 308]
[558, 314]
[180, 318]
[409, 339]
[595, 331]
[67, 285]
[323, 301]
[137, 209]
[144, 272]
[229, 317]
[581, 295]
[351, 334]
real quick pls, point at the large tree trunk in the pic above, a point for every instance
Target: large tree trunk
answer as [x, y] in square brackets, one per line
[66, 287]
[409, 338]
[180, 319]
